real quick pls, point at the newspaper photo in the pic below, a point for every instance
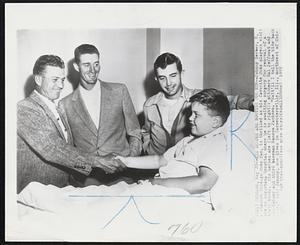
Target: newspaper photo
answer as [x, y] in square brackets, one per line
[150, 122]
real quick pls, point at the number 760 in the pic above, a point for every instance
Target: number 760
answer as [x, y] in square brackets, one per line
[184, 229]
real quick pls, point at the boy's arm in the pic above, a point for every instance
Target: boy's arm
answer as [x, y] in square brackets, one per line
[144, 162]
[193, 184]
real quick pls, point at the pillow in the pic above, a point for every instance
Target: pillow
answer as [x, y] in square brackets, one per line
[240, 137]
[236, 189]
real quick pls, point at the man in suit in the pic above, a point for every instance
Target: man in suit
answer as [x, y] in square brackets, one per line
[44, 142]
[167, 112]
[101, 115]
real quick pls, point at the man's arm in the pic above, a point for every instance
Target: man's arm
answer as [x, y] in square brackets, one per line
[146, 132]
[193, 184]
[38, 131]
[131, 124]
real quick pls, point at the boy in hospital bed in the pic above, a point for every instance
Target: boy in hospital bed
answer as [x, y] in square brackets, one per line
[196, 162]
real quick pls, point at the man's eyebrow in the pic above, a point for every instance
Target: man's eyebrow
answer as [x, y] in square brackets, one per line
[58, 77]
[87, 63]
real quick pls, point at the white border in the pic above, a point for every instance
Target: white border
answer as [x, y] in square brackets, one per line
[195, 15]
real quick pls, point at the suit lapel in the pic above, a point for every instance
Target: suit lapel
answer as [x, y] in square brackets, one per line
[106, 105]
[50, 114]
[82, 112]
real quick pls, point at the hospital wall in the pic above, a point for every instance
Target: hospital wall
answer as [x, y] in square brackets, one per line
[127, 56]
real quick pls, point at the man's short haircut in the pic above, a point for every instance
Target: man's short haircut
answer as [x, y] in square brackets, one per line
[215, 101]
[166, 59]
[85, 49]
[47, 60]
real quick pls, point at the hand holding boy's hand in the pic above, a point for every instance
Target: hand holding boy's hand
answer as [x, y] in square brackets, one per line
[121, 159]
[109, 164]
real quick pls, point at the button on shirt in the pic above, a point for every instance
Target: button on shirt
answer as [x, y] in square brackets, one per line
[52, 106]
[191, 152]
[92, 101]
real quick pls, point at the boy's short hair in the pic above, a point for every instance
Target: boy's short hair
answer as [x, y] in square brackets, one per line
[84, 49]
[215, 101]
[166, 59]
[47, 60]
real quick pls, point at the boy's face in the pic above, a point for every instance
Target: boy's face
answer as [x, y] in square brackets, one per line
[202, 120]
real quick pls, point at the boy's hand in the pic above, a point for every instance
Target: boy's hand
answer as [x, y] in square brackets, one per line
[155, 181]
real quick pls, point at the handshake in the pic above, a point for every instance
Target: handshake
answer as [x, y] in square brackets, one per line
[110, 163]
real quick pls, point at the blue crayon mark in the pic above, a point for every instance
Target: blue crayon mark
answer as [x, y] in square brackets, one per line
[245, 145]
[232, 133]
[131, 198]
[241, 123]
[194, 196]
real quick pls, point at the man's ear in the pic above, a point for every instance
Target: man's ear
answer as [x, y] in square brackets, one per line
[217, 121]
[182, 73]
[38, 80]
[76, 67]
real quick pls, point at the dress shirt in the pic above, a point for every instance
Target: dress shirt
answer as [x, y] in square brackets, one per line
[52, 105]
[92, 101]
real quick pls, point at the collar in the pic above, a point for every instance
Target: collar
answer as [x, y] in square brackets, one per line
[94, 90]
[212, 134]
[51, 104]
[160, 95]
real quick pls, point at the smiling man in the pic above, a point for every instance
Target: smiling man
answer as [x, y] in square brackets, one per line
[101, 116]
[44, 141]
[167, 112]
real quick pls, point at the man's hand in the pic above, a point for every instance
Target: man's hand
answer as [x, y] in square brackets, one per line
[109, 164]
[121, 159]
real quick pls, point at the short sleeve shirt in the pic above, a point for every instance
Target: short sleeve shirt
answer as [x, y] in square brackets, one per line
[185, 158]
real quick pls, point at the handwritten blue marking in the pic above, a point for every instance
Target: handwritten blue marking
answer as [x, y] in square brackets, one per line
[241, 125]
[135, 204]
[232, 133]
[245, 145]
[194, 196]
[131, 198]
[117, 214]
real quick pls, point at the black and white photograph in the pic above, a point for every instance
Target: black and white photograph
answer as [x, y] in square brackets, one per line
[150, 122]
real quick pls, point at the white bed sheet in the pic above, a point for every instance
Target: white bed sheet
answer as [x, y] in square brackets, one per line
[145, 212]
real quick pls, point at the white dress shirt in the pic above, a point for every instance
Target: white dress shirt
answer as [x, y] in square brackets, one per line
[52, 106]
[92, 101]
